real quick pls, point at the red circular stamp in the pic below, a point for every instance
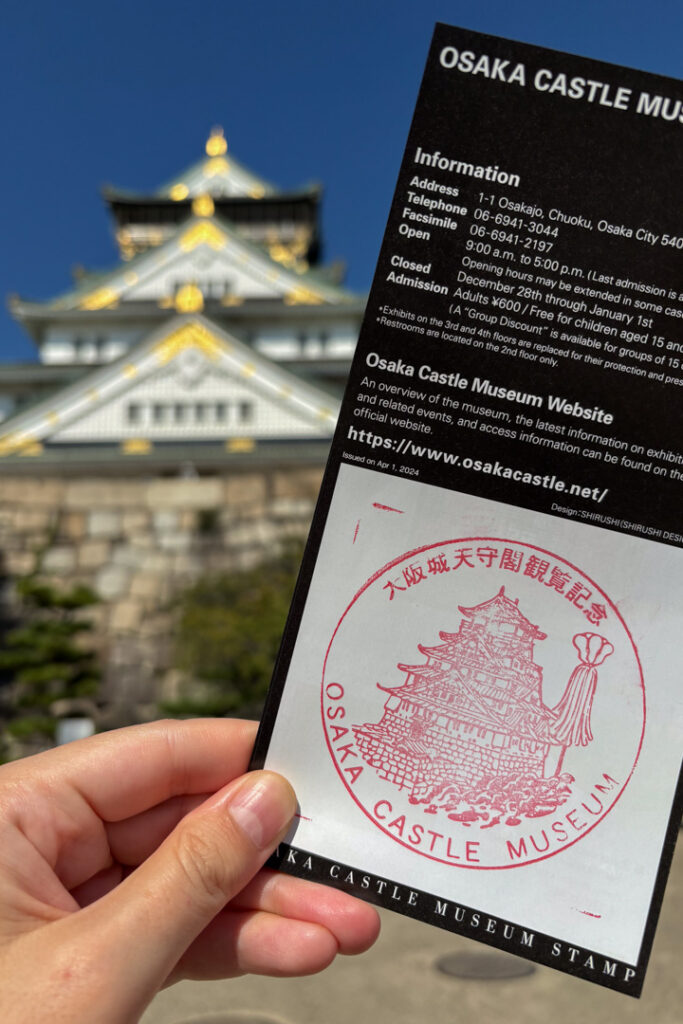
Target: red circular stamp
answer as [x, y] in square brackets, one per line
[483, 701]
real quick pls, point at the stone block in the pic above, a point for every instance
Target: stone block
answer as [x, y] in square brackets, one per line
[96, 494]
[59, 560]
[158, 627]
[31, 492]
[175, 541]
[246, 534]
[128, 556]
[166, 520]
[72, 525]
[205, 492]
[247, 512]
[294, 530]
[32, 520]
[19, 563]
[244, 489]
[248, 558]
[188, 565]
[112, 581]
[188, 519]
[297, 483]
[292, 508]
[241, 535]
[157, 561]
[150, 587]
[135, 521]
[228, 516]
[145, 541]
[92, 554]
[104, 523]
[125, 616]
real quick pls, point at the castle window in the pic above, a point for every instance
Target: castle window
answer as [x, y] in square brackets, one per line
[200, 412]
[214, 289]
[179, 411]
[246, 412]
[134, 414]
[158, 413]
[220, 412]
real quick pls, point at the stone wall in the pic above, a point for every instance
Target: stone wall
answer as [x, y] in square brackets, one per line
[138, 542]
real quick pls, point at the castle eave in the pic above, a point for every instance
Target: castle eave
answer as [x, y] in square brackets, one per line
[172, 458]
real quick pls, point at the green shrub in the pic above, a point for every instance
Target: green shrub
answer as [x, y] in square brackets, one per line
[229, 634]
[43, 658]
[32, 726]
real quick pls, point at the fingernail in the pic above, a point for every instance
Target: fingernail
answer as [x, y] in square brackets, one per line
[262, 807]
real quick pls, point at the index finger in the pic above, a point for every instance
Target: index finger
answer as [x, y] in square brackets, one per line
[127, 771]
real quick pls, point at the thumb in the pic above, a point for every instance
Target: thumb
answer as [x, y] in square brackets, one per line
[151, 918]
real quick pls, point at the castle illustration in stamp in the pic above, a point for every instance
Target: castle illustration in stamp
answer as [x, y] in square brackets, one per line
[470, 726]
[481, 751]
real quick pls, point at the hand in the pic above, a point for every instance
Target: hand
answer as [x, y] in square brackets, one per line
[131, 860]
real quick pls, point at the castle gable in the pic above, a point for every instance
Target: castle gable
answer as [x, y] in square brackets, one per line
[208, 254]
[189, 380]
[217, 174]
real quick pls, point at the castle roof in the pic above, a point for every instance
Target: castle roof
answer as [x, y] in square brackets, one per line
[501, 609]
[258, 272]
[114, 403]
[261, 210]
[216, 174]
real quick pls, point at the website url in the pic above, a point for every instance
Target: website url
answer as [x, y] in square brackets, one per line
[405, 446]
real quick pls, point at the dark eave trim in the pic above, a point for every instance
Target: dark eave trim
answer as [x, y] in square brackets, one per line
[108, 460]
[27, 373]
[28, 312]
[306, 193]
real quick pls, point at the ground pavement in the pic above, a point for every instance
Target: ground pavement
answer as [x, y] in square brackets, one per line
[396, 983]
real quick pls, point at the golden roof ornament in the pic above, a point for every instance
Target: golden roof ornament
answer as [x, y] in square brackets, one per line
[202, 206]
[189, 299]
[216, 144]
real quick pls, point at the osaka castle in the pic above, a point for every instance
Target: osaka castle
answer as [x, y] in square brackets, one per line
[219, 336]
[473, 710]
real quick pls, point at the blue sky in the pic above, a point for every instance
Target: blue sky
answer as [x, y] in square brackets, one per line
[126, 94]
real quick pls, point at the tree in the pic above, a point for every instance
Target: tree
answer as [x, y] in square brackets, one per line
[229, 634]
[44, 657]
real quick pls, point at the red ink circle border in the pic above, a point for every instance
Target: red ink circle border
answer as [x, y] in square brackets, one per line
[499, 540]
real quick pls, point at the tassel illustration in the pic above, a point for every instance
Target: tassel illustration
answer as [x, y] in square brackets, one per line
[572, 726]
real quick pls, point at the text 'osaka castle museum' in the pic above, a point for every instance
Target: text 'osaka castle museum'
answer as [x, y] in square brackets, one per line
[218, 338]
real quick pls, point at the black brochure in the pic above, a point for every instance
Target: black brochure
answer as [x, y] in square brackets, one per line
[477, 698]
